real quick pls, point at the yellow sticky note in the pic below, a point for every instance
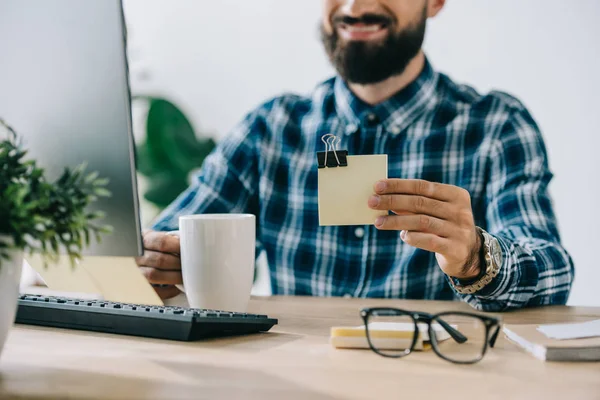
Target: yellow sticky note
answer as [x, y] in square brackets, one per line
[345, 191]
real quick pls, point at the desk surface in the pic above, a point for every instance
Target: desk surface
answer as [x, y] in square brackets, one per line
[293, 361]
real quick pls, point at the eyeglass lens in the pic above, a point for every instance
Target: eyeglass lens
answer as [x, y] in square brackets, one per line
[391, 333]
[472, 328]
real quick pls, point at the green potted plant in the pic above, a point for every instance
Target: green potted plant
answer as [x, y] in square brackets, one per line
[37, 215]
[170, 151]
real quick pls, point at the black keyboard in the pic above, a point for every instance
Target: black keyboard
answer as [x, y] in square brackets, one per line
[163, 322]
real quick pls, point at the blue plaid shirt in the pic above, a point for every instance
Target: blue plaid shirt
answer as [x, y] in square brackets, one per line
[434, 129]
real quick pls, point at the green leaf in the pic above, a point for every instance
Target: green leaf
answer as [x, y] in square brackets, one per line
[86, 235]
[101, 182]
[101, 192]
[79, 169]
[107, 229]
[91, 177]
[96, 215]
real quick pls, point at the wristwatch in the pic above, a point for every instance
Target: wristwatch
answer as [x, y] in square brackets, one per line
[491, 260]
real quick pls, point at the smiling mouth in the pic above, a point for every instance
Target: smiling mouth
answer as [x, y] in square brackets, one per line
[367, 27]
[362, 31]
[363, 27]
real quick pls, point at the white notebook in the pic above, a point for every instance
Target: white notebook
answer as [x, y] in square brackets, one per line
[547, 349]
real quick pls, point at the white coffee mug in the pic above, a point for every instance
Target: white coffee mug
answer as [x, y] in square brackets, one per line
[217, 260]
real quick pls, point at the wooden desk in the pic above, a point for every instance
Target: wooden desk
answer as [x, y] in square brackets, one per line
[293, 361]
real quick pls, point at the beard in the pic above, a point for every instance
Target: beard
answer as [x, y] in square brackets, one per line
[365, 63]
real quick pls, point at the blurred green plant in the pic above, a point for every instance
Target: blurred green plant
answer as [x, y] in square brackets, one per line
[41, 216]
[170, 151]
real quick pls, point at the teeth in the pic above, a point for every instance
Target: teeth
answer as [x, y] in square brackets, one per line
[367, 28]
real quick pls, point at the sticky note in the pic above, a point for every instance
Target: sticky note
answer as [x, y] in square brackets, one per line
[344, 191]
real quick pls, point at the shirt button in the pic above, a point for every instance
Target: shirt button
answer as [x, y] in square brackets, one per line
[350, 129]
[395, 130]
[372, 118]
[359, 232]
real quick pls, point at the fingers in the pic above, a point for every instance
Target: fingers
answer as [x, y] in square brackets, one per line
[161, 242]
[166, 292]
[162, 277]
[412, 204]
[426, 241]
[160, 263]
[431, 216]
[418, 187]
[158, 260]
[417, 223]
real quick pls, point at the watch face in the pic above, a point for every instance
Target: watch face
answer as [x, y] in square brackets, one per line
[496, 252]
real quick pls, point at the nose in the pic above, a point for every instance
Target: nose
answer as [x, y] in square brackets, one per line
[356, 8]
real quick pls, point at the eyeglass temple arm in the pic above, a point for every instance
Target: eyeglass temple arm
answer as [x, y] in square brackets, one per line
[456, 335]
[494, 336]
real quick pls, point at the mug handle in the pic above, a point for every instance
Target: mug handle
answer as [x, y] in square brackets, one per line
[176, 233]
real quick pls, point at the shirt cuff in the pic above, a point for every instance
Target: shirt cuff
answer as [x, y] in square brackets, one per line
[502, 281]
[498, 284]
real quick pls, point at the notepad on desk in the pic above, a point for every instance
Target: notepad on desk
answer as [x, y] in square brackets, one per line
[389, 335]
[558, 342]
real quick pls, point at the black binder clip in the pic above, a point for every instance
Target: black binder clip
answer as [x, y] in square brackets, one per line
[331, 158]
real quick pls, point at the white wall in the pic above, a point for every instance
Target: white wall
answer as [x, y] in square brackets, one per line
[219, 59]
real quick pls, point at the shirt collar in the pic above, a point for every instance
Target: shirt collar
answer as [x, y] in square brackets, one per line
[395, 113]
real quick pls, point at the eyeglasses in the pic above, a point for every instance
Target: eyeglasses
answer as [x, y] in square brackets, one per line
[458, 337]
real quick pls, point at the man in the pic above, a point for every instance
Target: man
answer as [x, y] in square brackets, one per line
[471, 215]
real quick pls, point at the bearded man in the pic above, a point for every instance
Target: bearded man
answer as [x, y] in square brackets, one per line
[469, 216]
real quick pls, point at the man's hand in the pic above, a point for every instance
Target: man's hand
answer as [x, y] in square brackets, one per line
[160, 263]
[433, 217]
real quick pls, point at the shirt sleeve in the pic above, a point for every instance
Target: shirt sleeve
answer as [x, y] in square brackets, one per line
[536, 269]
[227, 182]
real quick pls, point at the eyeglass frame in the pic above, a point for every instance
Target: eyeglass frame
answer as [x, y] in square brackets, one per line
[419, 316]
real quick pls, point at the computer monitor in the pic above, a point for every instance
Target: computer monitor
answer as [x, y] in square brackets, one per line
[64, 88]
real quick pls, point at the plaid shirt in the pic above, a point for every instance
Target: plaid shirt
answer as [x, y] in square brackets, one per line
[434, 129]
